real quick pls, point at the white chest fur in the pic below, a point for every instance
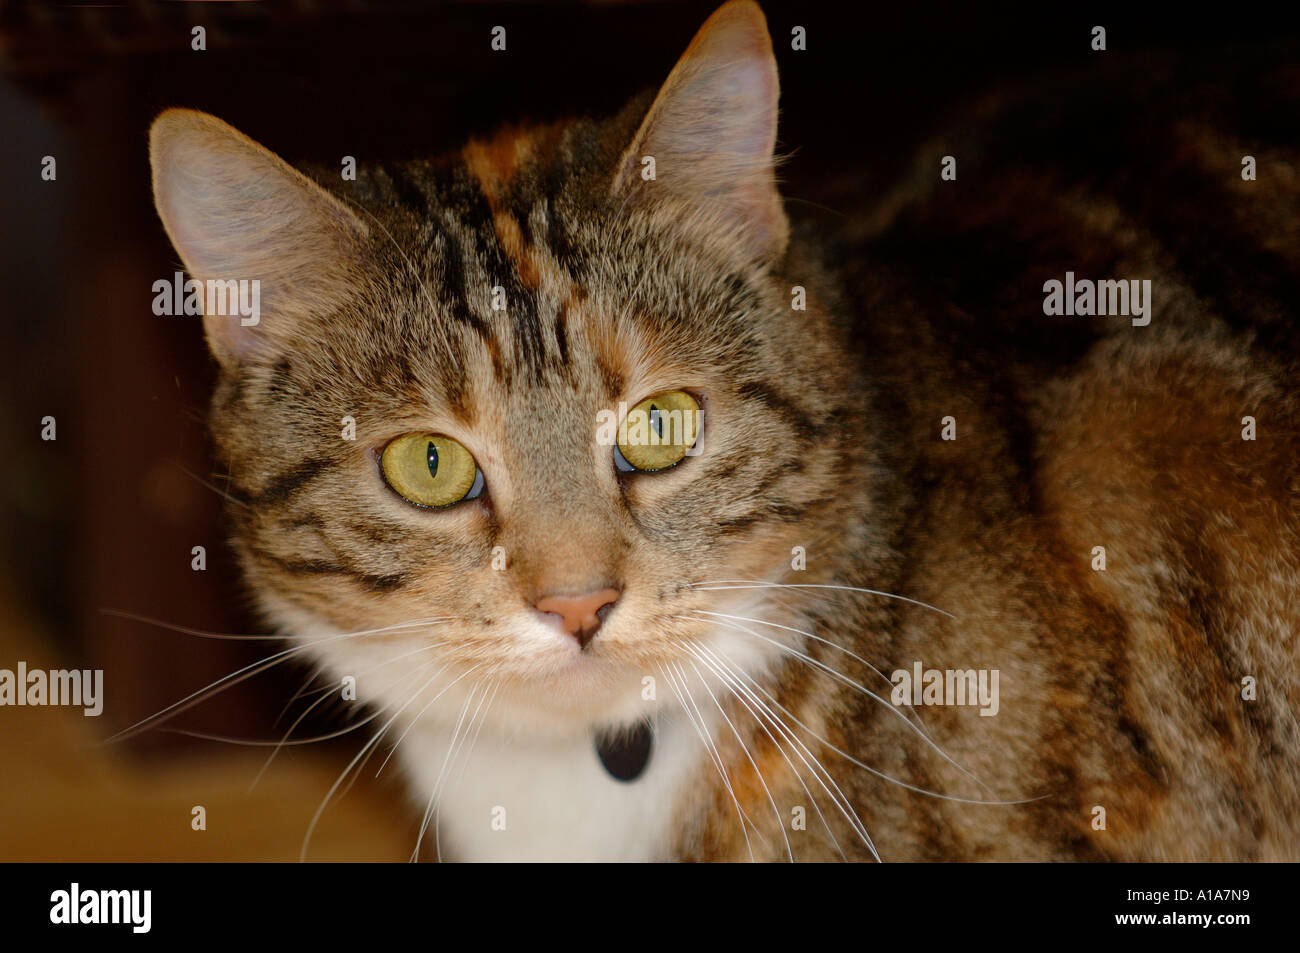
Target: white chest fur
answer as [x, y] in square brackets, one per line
[553, 801]
[509, 795]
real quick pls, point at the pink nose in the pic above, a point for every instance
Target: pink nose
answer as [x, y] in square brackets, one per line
[579, 615]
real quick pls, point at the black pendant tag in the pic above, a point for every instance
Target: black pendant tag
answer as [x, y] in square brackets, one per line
[625, 754]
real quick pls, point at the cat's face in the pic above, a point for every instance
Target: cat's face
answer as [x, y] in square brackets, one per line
[422, 430]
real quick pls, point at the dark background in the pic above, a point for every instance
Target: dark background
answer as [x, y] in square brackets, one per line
[106, 516]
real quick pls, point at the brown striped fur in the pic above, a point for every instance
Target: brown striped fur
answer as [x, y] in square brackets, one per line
[1119, 689]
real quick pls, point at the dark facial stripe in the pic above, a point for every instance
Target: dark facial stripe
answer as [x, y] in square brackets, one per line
[378, 533]
[481, 216]
[299, 567]
[285, 485]
[561, 335]
[452, 282]
[799, 420]
[614, 381]
[385, 583]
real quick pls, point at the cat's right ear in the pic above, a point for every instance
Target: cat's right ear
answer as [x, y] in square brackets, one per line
[236, 212]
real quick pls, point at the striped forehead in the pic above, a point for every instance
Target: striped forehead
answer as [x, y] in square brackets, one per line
[501, 268]
[520, 283]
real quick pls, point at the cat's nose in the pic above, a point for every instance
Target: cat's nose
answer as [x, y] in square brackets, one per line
[580, 616]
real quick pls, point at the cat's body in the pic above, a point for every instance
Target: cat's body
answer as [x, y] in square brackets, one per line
[822, 468]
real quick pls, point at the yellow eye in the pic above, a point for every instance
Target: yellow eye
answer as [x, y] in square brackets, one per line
[658, 432]
[431, 470]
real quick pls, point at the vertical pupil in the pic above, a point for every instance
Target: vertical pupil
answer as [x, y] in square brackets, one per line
[656, 420]
[433, 459]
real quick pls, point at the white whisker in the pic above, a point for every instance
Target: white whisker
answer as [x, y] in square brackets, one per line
[712, 751]
[779, 747]
[248, 671]
[880, 774]
[838, 798]
[464, 761]
[368, 746]
[803, 656]
[810, 635]
[758, 584]
[780, 821]
[325, 693]
[451, 747]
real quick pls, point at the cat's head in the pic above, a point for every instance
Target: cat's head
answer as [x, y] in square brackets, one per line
[424, 422]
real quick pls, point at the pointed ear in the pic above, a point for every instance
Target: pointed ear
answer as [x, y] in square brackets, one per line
[234, 211]
[712, 128]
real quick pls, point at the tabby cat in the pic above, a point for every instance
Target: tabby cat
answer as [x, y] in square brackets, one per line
[641, 513]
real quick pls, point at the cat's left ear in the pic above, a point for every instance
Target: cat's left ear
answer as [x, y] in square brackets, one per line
[712, 128]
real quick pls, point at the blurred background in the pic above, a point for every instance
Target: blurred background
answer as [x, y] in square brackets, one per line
[103, 519]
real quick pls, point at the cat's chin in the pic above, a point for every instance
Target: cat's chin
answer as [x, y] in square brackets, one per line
[573, 704]
[574, 694]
